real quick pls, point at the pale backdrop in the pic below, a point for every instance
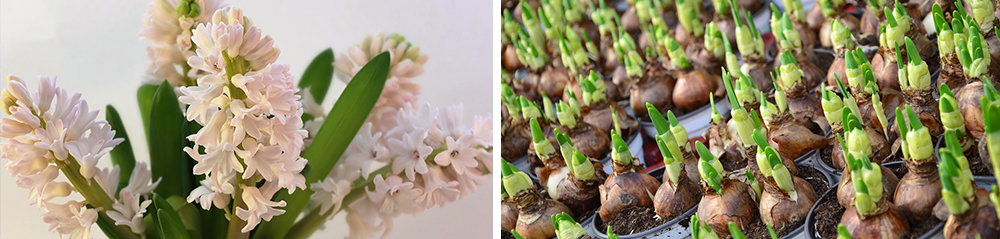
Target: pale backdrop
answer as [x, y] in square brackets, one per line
[94, 49]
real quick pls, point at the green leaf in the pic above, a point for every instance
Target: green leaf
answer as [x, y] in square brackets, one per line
[122, 154]
[346, 117]
[167, 132]
[166, 218]
[318, 75]
[145, 97]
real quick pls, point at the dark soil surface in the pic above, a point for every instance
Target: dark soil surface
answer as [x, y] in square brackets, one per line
[634, 220]
[918, 230]
[757, 229]
[587, 214]
[730, 166]
[826, 154]
[506, 235]
[827, 216]
[815, 179]
[977, 166]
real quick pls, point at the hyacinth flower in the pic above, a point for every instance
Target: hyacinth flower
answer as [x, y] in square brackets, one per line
[530, 204]
[167, 25]
[700, 230]
[723, 198]
[52, 133]
[566, 227]
[916, 194]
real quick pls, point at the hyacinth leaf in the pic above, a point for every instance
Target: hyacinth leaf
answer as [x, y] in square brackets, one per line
[842, 232]
[611, 234]
[145, 95]
[735, 231]
[890, 19]
[939, 23]
[770, 230]
[344, 121]
[166, 218]
[318, 75]
[903, 128]
[659, 122]
[122, 154]
[728, 82]
[911, 51]
[756, 118]
[167, 132]
[914, 120]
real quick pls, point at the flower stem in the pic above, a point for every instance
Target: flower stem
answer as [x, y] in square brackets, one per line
[235, 223]
[94, 195]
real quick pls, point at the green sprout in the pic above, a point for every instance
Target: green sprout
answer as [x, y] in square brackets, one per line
[531, 20]
[529, 110]
[593, 89]
[867, 177]
[830, 7]
[676, 53]
[767, 111]
[770, 166]
[744, 125]
[566, 227]
[833, 106]
[735, 231]
[543, 148]
[611, 234]
[842, 232]
[572, 101]
[789, 37]
[528, 52]
[516, 235]
[619, 150]
[918, 138]
[566, 115]
[748, 39]
[877, 104]
[574, 56]
[951, 116]
[672, 162]
[700, 230]
[917, 72]
[945, 36]
[731, 62]
[789, 73]
[956, 186]
[514, 181]
[548, 107]
[858, 142]
[714, 40]
[848, 100]
[990, 106]
[754, 183]
[581, 167]
[780, 98]
[841, 36]
[746, 90]
[510, 100]
[604, 18]
[795, 8]
[770, 230]
[680, 133]
[591, 47]
[688, 12]
[709, 168]
[982, 12]
[565, 145]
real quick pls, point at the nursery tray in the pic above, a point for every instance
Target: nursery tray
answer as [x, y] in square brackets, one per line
[670, 229]
[634, 146]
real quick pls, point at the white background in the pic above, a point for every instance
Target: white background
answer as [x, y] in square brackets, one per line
[94, 49]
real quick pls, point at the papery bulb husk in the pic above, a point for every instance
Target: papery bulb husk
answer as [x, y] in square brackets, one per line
[791, 139]
[684, 38]
[704, 61]
[623, 84]
[693, 90]
[869, 24]
[609, 58]
[599, 115]
[838, 68]
[728, 27]
[951, 72]
[994, 44]
[630, 21]
[751, 6]
[516, 140]
[691, 165]
[968, 98]
[919, 190]
[628, 186]
[815, 20]
[553, 81]
[734, 205]
[654, 88]
[671, 201]
[535, 214]
[926, 108]
[589, 140]
[508, 215]
[760, 72]
[528, 86]
[803, 103]
[510, 61]
[545, 169]
[777, 207]
[845, 190]
[980, 219]
[884, 223]
[886, 72]
[984, 152]
[919, 8]
[582, 196]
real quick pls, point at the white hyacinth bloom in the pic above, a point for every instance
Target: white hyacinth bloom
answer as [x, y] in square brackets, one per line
[392, 195]
[410, 153]
[169, 35]
[259, 205]
[330, 193]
